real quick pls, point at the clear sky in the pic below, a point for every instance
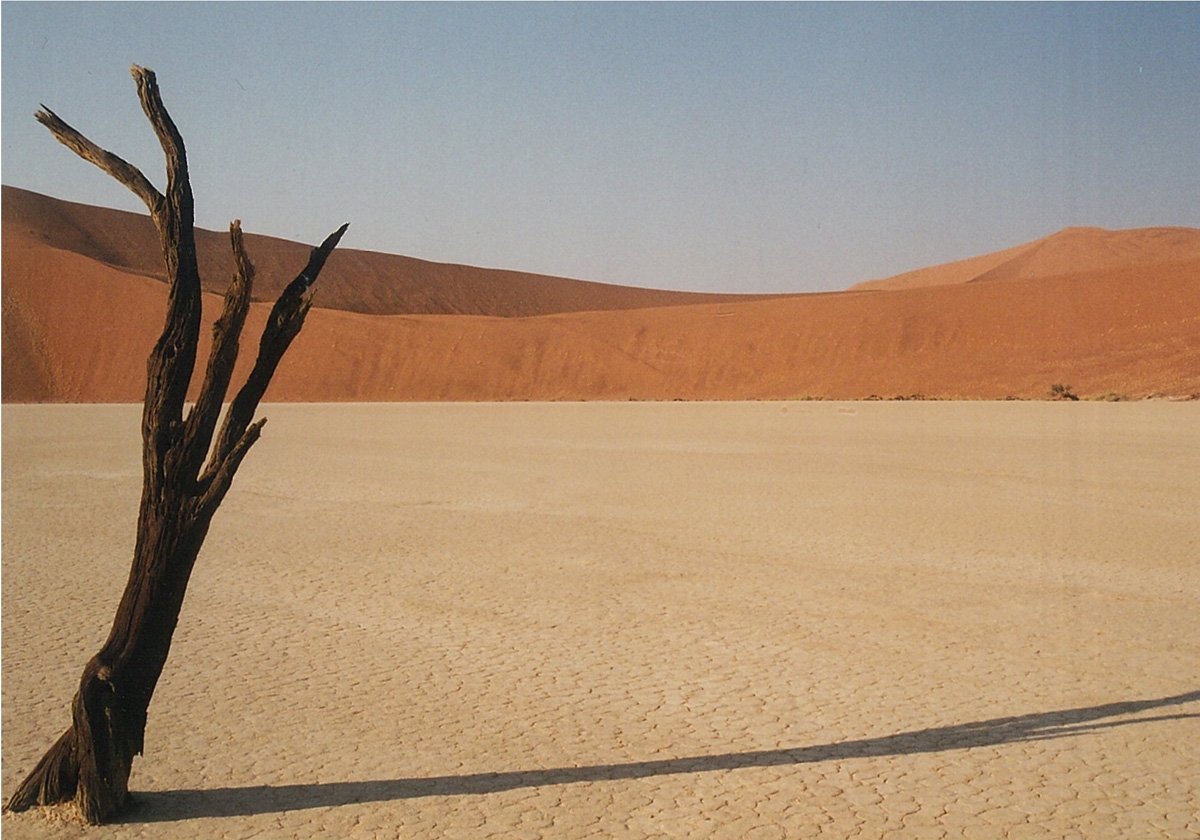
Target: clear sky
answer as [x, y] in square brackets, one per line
[742, 147]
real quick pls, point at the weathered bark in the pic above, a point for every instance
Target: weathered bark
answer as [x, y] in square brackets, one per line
[183, 481]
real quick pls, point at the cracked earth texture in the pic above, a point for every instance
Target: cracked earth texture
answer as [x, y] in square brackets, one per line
[754, 620]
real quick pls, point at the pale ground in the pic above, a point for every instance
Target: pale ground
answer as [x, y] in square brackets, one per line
[623, 620]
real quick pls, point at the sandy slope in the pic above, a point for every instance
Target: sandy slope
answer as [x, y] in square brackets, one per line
[356, 281]
[959, 271]
[1100, 334]
[1068, 252]
[1102, 311]
[626, 620]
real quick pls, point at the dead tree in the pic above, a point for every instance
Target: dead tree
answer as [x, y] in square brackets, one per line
[185, 475]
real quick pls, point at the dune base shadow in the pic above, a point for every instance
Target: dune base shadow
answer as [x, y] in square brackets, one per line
[168, 806]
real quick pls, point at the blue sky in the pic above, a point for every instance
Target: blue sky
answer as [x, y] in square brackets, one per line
[742, 147]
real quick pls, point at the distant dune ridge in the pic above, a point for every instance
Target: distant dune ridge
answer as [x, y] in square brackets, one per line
[1106, 312]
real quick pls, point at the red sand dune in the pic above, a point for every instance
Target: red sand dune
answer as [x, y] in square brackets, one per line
[960, 271]
[1103, 311]
[356, 281]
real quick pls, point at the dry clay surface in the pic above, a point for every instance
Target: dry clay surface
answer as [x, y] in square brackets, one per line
[737, 620]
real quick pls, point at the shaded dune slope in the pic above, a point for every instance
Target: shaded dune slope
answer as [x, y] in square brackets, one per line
[1106, 312]
[356, 281]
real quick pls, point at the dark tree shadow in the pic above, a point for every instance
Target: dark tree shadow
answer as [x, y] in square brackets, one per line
[166, 806]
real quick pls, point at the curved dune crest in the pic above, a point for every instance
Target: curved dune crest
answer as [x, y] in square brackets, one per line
[1107, 312]
[947, 274]
[1070, 251]
[356, 281]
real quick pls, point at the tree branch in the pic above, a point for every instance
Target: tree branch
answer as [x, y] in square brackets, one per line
[227, 332]
[164, 127]
[169, 369]
[224, 470]
[126, 173]
[177, 218]
[285, 321]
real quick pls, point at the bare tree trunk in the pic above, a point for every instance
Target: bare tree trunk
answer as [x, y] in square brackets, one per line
[183, 483]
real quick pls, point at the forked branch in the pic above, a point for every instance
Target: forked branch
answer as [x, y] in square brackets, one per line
[284, 323]
[227, 332]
